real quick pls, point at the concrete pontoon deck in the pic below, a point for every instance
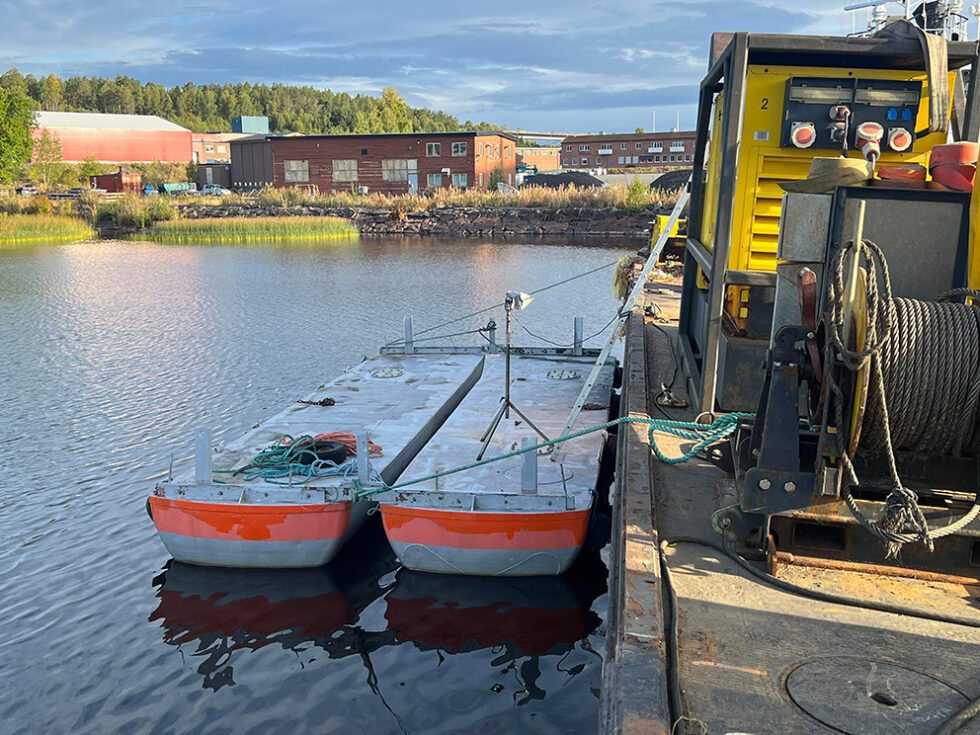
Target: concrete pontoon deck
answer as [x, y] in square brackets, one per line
[479, 521]
[401, 400]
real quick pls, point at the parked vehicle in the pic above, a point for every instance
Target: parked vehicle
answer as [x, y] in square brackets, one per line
[149, 191]
[214, 190]
[27, 191]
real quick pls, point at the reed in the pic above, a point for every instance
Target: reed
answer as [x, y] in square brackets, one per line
[247, 229]
[23, 228]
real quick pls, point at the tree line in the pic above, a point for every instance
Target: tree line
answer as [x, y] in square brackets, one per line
[210, 107]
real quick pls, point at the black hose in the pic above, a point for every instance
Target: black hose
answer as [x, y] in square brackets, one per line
[823, 596]
[963, 717]
[678, 709]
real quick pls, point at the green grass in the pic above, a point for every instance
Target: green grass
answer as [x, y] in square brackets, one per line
[248, 229]
[18, 228]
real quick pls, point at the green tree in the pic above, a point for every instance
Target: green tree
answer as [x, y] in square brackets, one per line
[496, 177]
[16, 124]
[50, 91]
[48, 167]
[639, 131]
[89, 167]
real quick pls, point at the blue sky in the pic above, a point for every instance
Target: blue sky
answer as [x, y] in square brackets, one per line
[570, 66]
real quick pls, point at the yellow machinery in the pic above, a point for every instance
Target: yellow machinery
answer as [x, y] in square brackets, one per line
[768, 106]
[838, 318]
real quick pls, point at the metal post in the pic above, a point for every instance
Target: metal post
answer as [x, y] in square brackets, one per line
[492, 338]
[508, 308]
[579, 331]
[853, 268]
[529, 467]
[363, 475]
[409, 337]
[202, 456]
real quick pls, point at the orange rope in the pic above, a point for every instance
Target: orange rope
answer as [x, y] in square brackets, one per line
[349, 441]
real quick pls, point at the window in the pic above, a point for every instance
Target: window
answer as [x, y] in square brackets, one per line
[222, 148]
[677, 145]
[622, 146]
[656, 159]
[208, 148]
[598, 161]
[489, 150]
[639, 146]
[585, 161]
[344, 170]
[688, 157]
[363, 151]
[656, 147]
[398, 169]
[459, 149]
[496, 150]
[434, 181]
[481, 179]
[296, 171]
[506, 150]
[620, 160]
[584, 148]
[568, 148]
[672, 158]
[433, 149]
[461, 181]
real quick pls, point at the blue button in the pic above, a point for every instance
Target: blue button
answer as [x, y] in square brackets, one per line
[893, 113]
[906, 113]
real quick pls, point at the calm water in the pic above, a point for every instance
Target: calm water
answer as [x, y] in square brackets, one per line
[111, 354]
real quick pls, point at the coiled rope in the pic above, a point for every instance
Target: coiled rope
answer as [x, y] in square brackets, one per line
[924, 392]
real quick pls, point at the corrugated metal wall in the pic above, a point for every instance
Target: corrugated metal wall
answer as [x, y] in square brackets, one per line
[110, 145]
[251, 164]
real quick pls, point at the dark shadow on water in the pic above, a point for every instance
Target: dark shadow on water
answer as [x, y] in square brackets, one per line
[534, 631]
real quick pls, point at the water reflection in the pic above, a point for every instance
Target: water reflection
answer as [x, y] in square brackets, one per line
[533, 632]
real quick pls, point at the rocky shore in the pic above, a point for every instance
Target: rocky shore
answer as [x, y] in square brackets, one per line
[457, 221]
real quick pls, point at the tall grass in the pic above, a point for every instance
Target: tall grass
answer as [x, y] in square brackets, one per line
[20, 228]
[633, 197]
[248, 229]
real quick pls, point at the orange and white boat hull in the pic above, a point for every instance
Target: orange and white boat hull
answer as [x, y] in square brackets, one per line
[255, 535]
[515, 544]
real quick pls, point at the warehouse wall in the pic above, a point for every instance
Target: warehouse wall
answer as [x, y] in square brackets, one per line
[110, 145]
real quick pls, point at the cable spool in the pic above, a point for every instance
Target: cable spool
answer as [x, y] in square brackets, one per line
[923, 360]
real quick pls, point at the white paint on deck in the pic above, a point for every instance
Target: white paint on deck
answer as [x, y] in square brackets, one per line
[400, 399]
[537, 390]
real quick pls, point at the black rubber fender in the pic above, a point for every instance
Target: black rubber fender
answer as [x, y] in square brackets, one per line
[149, 510]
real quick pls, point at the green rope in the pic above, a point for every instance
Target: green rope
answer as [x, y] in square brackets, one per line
[702, 435]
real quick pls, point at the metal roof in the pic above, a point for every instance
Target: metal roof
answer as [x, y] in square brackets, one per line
[103, 120]
[455, 133]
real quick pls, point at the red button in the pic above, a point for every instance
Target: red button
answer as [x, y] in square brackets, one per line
[803, 135]
[899, 140]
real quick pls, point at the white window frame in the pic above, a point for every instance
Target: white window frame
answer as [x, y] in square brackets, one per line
[568, 148]
[296, 171]
[639, 146]
[585, 161]
[656, 147]
[622, 146]
[460, 148]
[430, 178]
[433, 149]
[398, 169]
[345, 170]
[461, 181]
[584, 148]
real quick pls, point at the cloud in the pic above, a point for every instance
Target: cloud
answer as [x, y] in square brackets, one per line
[574, 65]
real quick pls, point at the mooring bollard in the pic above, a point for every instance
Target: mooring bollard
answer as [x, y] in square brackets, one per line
[579, 331]
[529, 468]
[409, 337]
[202, 456]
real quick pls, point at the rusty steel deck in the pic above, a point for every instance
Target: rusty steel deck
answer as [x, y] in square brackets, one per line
[751, 658]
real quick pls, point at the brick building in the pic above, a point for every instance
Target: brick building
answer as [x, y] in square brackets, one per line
[391, 163]
[626, 150]
[544, 157]
[214, 147]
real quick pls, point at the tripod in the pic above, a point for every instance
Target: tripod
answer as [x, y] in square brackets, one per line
[512, 301]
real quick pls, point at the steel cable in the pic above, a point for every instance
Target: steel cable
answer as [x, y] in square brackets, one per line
[924, 390]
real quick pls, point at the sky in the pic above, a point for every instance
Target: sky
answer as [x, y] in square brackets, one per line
[569, 66]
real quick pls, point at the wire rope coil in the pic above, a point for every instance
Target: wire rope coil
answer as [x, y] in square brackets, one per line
[924, 393]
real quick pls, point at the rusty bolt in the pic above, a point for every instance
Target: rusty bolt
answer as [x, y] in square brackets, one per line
[764, 484]
[790, 487]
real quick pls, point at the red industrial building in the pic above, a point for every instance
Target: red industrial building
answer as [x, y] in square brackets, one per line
[543, 158]
[116, 138]
[393, 163]
[626, 150]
